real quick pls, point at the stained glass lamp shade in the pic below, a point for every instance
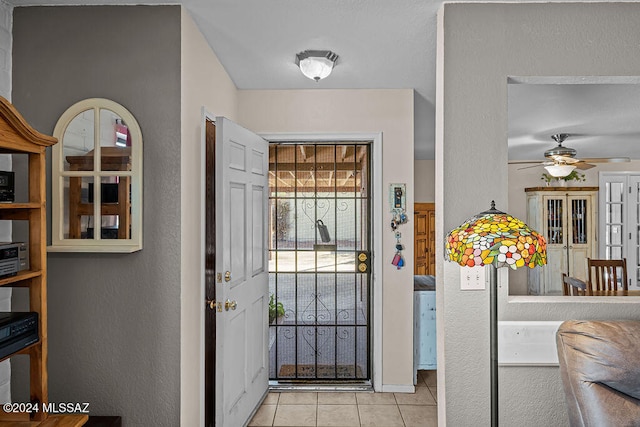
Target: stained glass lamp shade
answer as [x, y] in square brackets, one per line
[496, 239]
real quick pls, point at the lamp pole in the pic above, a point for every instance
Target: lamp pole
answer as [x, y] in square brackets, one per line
[493, 338]
[497, 239]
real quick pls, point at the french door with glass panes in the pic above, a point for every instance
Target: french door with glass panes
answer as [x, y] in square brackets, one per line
[619, 222]
[319, 262]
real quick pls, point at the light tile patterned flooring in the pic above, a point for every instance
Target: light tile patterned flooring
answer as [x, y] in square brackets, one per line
[342, 409]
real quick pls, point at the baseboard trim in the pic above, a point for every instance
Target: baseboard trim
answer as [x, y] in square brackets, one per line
[398, 388]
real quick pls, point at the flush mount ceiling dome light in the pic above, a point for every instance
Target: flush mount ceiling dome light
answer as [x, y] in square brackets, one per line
[316, 64]
[560, 170]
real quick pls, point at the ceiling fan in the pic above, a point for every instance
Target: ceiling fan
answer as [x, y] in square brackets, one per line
[561, 160]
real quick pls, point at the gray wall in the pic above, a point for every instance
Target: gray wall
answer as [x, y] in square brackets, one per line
[5, 49]
[480, 46]
[5, 164]
[114, 320]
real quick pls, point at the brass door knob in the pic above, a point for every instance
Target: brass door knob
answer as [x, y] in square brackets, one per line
[211, 303]
[227, 276]
[230, 305]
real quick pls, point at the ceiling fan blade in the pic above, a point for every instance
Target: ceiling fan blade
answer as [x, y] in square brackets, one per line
[607, 160]
[584, 166]
[563, 155]
[534, 166]
[526, 162]
[565, 159]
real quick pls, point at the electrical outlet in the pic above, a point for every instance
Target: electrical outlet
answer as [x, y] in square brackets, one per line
[472, 279]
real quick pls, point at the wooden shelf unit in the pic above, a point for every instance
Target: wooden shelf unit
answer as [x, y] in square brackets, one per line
[18, 137]
[112, 159]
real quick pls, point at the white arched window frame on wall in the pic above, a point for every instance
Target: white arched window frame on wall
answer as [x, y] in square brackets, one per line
[98, 159]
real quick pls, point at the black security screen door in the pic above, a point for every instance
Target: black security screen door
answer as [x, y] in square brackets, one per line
[319, 262]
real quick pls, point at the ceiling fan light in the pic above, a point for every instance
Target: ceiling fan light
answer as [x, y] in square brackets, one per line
[559, 171]
[316, 64]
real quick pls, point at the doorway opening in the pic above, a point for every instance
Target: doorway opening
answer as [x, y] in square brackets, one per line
[320, 263]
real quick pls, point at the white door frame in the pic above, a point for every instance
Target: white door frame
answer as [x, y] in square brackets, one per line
[377, 197]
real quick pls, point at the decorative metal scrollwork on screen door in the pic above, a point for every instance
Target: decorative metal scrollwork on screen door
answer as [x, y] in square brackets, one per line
[320, 223]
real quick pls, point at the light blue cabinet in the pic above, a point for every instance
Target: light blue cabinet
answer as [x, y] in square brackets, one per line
[424, 331]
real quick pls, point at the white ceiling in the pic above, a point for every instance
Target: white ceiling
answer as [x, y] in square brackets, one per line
[602, 117]
[392, 44]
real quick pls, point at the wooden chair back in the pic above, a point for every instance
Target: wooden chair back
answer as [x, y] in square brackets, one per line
[574, 287]
[608, 274]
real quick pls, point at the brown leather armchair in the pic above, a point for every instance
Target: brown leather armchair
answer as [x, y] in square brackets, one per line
[600, 370]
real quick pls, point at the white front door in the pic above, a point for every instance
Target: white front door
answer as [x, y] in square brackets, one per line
[241, 272]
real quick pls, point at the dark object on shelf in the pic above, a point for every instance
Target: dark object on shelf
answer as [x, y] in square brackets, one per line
[95, 421]
[7, 186]
[9, 259]
[108, 192]
[23, 255]
[17, 331]
[107, 233]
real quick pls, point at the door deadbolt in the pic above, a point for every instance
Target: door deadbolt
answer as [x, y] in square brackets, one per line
[213, 305]
[227, 276]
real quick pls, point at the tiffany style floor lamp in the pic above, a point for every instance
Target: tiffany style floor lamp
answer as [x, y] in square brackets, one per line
[496, 239]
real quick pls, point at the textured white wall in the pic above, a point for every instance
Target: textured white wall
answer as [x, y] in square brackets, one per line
[204, 83]
[481, 45]
[365, 111]
[425, 180]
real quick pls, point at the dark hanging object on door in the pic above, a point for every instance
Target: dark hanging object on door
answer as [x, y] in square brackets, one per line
[324, 231]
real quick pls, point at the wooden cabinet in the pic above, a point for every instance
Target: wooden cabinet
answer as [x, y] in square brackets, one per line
[18, 138]
[425, 239]
[567, 218]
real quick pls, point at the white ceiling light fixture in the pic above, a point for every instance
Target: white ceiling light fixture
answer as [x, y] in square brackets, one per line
[559, 170]
[316, 64]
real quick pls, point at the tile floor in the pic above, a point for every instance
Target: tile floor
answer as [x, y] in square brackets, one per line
[342, 409]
